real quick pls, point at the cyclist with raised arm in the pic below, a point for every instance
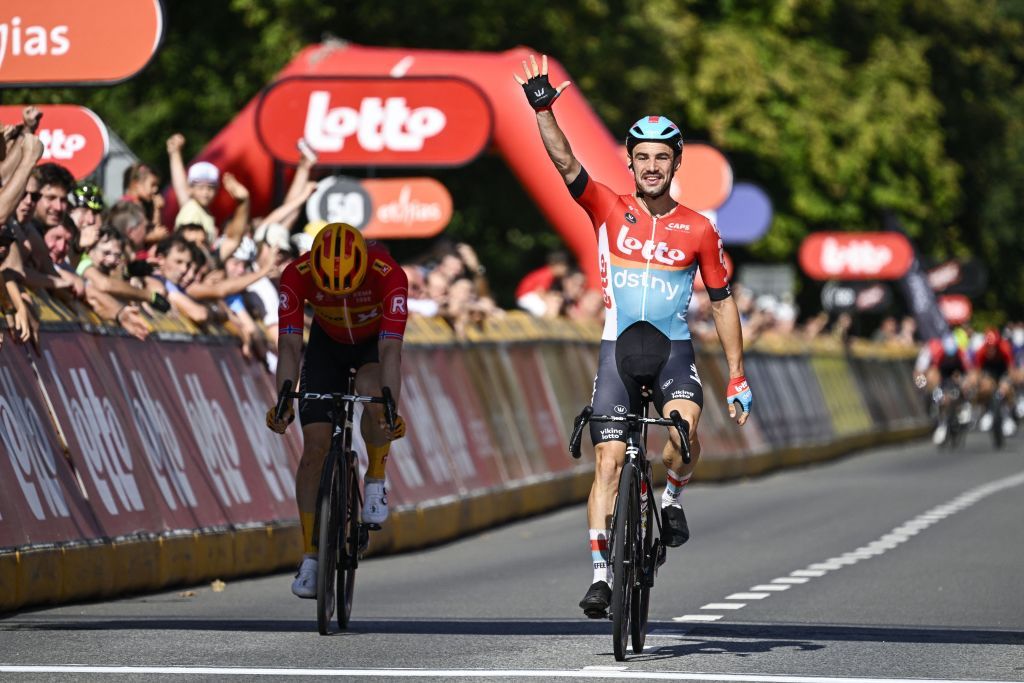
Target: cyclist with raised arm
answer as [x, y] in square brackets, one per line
[358, 294]
[649, 249]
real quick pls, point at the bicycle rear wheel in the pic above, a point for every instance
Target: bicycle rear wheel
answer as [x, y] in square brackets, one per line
[331, 494]
[623, 560]
[641, 601]
[348, 534]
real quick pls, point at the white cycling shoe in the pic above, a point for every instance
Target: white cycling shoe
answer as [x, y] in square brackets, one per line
[375, 502]
[304, 585]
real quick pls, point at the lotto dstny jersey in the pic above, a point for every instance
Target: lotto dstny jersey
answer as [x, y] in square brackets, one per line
[376, 309]
[648, 263]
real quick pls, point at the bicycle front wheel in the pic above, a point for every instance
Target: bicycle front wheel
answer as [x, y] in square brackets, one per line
[624, 532]
[327, 541]
[348, 534]
[645, 563]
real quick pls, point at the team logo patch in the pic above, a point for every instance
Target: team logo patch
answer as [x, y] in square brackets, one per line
[286, 298]
[398, 305]
[631, 218]
[620, 409]
[302, 267]
[381, 267]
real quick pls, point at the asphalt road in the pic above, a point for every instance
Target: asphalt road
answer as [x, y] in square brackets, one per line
[899, 563]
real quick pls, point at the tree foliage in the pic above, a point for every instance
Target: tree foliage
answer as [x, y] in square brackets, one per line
[841, 109]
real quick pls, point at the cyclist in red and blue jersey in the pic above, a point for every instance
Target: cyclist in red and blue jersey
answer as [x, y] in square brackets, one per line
[358, 294]
[649, 250]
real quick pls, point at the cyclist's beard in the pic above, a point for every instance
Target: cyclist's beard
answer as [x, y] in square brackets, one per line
[641, 194]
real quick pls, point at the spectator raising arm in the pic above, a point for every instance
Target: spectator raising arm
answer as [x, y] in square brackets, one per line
[239, 223]
[31, 150]
[179, 179]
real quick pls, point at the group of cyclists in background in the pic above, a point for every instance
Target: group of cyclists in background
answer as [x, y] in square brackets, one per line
[973, 381]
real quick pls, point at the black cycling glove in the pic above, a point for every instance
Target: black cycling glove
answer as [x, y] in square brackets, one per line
[160, 302]
[540, 93]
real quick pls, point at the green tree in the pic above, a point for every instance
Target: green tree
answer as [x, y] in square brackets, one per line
[842, 109]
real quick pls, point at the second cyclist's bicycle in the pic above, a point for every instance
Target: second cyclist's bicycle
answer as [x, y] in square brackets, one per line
[338, 532]
[636, 551]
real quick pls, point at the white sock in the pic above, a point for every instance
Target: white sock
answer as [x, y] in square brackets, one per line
[599, 554]
[673, 488]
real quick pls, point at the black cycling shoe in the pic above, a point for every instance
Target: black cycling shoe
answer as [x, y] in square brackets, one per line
[595, 602]
[674, 531]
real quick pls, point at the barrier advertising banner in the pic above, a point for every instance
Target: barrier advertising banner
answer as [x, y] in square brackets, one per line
[40, 501]
[72, 136]
[77, 43]
[412, 121]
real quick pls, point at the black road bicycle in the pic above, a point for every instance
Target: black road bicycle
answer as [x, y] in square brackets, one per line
[338, 532]
[636, 552]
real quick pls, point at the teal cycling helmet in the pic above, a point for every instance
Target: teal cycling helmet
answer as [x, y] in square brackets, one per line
[655, 129]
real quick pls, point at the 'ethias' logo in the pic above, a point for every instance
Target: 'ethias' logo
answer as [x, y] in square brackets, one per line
[31, 41]
[378, 124]
[648, 249]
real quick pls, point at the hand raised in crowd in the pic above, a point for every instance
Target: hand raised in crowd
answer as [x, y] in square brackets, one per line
[468, 256]
[539, 91]
[175, 144]
[309, 156]
[31, 116]
[234, 188]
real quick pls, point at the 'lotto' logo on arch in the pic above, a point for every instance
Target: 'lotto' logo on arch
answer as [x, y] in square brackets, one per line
[375, 121]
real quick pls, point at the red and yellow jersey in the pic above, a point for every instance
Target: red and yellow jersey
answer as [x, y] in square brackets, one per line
[376, 309]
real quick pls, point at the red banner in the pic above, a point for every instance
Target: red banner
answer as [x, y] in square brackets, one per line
[856, 255]
[39, 498]
[105, 450]
[63, 43]
[956, 308]
[421, 121]
[72, 136]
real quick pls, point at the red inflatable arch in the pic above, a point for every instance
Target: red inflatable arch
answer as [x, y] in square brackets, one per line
[237, 147]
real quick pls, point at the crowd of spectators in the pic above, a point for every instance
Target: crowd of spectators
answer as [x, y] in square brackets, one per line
[128, 265]
[60, 239]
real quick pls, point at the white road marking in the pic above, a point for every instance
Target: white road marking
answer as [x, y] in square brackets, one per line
[698, 617]
[589, 672]
[898, 536]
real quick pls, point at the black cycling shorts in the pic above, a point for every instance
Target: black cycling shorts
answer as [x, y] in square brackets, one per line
[641, 356]
[326, 368]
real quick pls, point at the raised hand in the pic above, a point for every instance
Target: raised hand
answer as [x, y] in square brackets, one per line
[539, 91]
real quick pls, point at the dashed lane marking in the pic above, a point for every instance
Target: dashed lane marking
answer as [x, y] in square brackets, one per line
[884, 544]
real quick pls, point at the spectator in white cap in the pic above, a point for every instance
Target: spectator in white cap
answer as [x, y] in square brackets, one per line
[196, 190]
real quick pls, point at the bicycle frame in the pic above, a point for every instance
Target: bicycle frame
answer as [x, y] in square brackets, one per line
[636, 555]
[339, 501]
